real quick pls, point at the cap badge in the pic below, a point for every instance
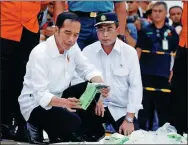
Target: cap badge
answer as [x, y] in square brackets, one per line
[103, 18]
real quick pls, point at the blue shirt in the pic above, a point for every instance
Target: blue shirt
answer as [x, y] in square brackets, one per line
[91, 6]
[151, 38]
[132, 30]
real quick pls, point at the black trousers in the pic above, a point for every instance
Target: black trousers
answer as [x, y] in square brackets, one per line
[178, 103]
[14, 56]
[152, 101]
[58, 122]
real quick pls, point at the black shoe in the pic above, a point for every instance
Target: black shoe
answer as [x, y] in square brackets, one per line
[34, 134]
[29, 133]
[7, 132]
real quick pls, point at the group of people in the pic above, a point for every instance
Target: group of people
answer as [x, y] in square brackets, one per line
[91, 42]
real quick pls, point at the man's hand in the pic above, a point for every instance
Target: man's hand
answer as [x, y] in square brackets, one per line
[126, 128]
[99, 109]
[49, 31]
[72, 103]
[105, 91]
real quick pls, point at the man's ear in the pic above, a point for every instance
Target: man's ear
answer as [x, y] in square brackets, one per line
[56, 29]
[118, 30]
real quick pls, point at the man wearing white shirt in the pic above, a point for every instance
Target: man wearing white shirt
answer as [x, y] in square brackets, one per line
[48, 74]
[120, 68]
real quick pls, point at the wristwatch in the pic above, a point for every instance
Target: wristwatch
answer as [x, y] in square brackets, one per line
[128, 119]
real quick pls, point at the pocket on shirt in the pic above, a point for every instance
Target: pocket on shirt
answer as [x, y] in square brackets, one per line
[121, 77]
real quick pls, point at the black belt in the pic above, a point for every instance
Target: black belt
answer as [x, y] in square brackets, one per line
[88, 14]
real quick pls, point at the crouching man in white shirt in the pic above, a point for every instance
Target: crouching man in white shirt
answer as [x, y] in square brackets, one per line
[120, 68]
[49, 71]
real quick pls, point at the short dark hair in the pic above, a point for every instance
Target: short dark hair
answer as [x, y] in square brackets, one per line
[160, 3]
[64, 16]
[175, 7]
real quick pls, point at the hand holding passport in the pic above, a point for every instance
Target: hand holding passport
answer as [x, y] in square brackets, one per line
[89, 94]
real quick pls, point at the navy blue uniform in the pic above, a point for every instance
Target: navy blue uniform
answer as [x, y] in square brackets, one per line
[155, 70]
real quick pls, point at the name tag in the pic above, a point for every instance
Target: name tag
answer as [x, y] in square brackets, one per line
[165, 44]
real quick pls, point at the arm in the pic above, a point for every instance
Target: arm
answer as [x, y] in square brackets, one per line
[135, 88]
[59, 7]
[131, 36]
[120, 10]
[139, 52]
[134, 96]
[141, 43]
[174, 41]
[40, 82]
[85, 69]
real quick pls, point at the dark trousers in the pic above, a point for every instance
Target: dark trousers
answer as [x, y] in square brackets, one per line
[88, 34]
[178, 104]
[14, 56]
[116, 124]
[152, 101]
[58, 122]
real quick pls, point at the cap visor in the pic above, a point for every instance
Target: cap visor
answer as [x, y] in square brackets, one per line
[105, 22]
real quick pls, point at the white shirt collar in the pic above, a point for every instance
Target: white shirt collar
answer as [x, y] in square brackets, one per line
[116, 46]
[54, 52]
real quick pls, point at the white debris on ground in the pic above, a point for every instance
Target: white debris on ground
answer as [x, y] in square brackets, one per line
[166, 134]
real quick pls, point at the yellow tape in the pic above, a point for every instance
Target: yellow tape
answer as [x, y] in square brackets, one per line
[146, 51]
[166, 90]
[150, 89]
[159, 52]
[155, 89]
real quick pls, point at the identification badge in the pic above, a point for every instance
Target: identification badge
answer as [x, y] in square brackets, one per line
[165, 44]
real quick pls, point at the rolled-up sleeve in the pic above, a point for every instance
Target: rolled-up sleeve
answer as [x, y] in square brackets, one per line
[84, 68]
[135, 87]
[40, 81]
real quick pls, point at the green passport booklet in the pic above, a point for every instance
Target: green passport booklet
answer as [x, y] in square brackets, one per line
[88, 96]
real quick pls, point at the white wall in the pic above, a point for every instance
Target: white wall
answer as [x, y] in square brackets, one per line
[173, 3]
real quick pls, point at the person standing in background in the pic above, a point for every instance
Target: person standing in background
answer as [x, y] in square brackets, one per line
[133, 8]
[19, 35]
[155, 68]
[176, 15]
[87, 11]
[178, 104]
[144, 7]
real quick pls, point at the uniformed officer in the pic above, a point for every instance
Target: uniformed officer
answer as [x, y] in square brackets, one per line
[155, 68]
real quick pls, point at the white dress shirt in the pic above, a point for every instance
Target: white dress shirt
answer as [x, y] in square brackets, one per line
[48, 74]
[121, 71]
